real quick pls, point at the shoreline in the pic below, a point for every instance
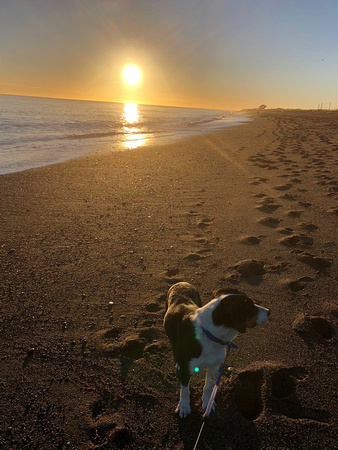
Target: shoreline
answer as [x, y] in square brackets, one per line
[63, 136]
[95, 148]
[90, 247]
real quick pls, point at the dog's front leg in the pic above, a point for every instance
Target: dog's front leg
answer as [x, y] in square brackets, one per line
[208, 386]
[183, 408]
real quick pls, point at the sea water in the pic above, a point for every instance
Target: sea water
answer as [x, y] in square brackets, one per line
[35, 132]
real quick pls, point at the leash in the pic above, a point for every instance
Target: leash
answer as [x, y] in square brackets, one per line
[213, 393]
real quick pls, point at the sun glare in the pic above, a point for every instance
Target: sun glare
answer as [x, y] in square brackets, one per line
[133, 135]
[131, 74]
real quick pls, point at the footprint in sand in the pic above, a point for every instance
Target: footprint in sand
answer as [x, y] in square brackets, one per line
[267, 205]
[251, 240]
[283, 381]
[308, 226]
[294, 240]
[245, 393]
[193, 213]
[201, 240]
[296, 180]
[283, 400]
[204, 223]
[294, 213]
[285, 230]
[283, 187]
[155, 304]
[271, 222]
[305, 204]
[110, 429]
[313, 328]
[133, 345]
[249, 270]
[271, 387]
[333, 211]
[314, 261]
[258, 180]
[192, 257]
[289, 197]
[277, 267]
[260, 195]
[299, 284]
[172, 275]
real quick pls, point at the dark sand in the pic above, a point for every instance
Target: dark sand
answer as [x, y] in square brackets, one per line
[89, 249]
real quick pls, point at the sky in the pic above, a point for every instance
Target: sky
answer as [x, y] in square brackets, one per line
[221, 54]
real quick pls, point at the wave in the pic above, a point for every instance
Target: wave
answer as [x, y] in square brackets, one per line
[208, 120]
[93, 135]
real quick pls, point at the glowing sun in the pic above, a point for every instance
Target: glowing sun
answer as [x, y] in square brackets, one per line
[131, 74]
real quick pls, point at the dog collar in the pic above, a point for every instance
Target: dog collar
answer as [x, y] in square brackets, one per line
[214, 338]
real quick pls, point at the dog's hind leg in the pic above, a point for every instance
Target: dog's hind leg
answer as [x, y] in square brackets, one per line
[208, 386]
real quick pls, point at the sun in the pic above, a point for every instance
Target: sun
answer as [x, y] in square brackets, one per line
[131, 74]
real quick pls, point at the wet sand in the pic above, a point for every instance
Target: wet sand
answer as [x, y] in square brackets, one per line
[89, 249]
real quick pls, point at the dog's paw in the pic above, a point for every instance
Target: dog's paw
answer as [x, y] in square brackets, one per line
[183, 409]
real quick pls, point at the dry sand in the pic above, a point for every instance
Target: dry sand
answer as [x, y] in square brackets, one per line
[89, 249]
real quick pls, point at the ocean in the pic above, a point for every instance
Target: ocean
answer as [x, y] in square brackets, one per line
[35, 132]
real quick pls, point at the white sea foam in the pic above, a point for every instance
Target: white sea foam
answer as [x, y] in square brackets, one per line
[37, 131]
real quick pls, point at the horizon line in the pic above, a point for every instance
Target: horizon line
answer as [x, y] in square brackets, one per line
[121, 103]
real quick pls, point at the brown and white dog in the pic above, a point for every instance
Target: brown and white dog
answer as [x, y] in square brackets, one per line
[198, 335]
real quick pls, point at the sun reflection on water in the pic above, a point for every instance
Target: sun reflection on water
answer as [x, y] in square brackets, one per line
[130, 119]
[130, 113]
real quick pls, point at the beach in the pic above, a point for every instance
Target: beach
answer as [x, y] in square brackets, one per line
[90, 247]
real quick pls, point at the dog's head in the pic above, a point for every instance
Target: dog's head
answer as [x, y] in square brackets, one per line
[236, 310]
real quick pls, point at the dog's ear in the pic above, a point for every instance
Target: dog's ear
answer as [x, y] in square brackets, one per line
[233, 312]
[228, 313]
[239, 322]
[222, 313]
[243, 310]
